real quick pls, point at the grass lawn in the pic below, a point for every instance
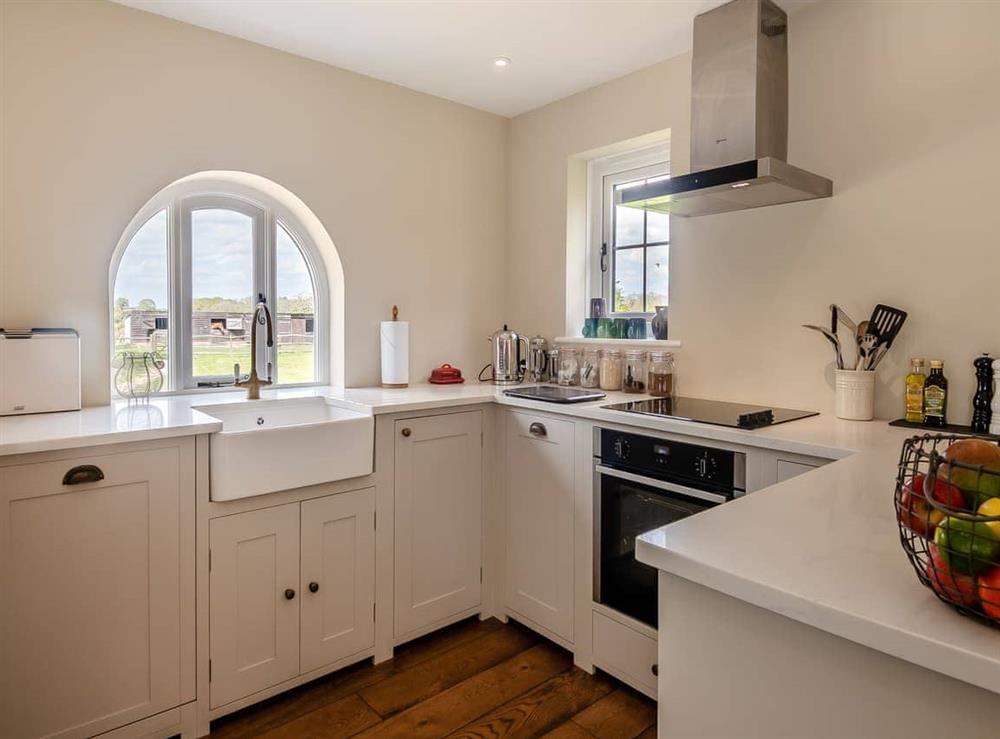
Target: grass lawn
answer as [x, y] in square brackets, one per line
[294, 360]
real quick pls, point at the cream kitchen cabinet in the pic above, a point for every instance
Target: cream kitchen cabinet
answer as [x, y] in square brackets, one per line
[97, 574]
[292, 589]
[438, 471]
[539, 493]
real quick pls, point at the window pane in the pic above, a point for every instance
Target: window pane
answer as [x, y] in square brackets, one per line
[657, 227]
[628, 225]
[141, 304]
[296, 319]
[657, 276]
[628, 280]
[221, 292]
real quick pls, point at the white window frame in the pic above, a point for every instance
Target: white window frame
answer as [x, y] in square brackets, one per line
[266, 213]
[603, 175]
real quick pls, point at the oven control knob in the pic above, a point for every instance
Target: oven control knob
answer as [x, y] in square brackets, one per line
[705, 466]
[622, 447]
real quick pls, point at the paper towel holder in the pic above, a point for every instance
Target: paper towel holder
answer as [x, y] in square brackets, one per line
[395, 347]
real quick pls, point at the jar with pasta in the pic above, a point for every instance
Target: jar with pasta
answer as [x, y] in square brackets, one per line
[611, 370]
[660, 382]
[634, 371]
[590, 369]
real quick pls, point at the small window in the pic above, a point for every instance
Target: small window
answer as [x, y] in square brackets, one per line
[631, 247]
[227, 254]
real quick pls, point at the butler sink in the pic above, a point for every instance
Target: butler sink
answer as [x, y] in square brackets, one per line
[271, 445]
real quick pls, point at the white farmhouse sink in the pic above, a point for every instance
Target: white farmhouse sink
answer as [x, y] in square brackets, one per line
[271, 445]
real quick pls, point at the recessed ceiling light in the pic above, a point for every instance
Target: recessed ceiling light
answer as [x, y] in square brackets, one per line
[501, 61]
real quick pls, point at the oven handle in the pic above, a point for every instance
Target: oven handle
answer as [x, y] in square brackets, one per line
[669, 487]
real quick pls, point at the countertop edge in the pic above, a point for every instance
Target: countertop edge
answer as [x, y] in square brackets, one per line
[975, 668]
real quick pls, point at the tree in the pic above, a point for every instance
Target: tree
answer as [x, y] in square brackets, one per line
[147, 304]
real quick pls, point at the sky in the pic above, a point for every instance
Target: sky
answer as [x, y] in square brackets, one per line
[221, 259]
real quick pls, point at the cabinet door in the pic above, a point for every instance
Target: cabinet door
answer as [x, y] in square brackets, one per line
[438, 519]
[92, 591]
[253, 601]
[539, 474]
[338, 577]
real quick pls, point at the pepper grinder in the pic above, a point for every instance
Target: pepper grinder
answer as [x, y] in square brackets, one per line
[981, 401]
[995, 422]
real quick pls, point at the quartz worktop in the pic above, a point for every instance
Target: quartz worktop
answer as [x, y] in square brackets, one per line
[821, 548]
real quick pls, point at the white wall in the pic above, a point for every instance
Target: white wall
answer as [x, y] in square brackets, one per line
[896, 102]
[103, 105]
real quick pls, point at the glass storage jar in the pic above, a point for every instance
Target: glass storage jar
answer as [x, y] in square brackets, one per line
[590, 369]
[569, 367]
[611, 370]
[660, 382]
[634, 371]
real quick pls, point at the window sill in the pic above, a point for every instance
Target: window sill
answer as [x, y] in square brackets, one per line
[624, 343]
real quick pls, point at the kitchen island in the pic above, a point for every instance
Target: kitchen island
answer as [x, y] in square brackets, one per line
[794, 612]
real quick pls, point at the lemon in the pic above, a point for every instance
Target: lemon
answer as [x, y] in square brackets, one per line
[991, 507]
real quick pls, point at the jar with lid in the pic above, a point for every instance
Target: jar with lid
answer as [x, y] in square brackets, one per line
[569, 367]
[552, 366]
[634, 371]
[611, 370]
[590, 369]
[660, 382]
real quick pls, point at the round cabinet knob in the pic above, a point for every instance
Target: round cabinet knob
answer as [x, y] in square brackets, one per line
[313, 587]
[289, 593]
[406, 432]
[655, 669]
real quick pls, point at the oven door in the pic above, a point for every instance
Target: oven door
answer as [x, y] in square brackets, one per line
[628, 505]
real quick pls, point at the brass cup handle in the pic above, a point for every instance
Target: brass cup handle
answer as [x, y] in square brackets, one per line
[655, 669]
[538, 429]
[313, 587]
[289, 593]
[83, 473]
[406, 432]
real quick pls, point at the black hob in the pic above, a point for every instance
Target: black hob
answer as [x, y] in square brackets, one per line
[718, 413]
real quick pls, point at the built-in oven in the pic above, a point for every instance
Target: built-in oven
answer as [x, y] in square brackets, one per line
[642, 483]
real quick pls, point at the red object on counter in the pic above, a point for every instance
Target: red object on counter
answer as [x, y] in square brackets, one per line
[446, 375]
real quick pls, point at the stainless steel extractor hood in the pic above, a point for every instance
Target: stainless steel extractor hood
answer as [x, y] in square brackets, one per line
[739, 120]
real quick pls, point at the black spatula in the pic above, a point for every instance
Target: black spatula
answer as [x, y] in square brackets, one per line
[885, 323]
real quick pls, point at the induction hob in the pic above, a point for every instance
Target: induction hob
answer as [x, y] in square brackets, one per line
[718, 413]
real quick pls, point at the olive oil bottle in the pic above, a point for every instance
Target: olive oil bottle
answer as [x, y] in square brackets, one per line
[915, 391]
[936, 396]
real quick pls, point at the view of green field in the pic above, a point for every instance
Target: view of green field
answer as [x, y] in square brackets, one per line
[295, 361]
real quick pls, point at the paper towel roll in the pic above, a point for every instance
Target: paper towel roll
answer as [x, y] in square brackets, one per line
[395, 340]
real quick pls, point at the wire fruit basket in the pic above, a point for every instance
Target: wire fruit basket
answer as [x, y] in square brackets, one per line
[947, 504]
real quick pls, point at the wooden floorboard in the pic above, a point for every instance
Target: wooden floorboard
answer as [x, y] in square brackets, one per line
[474, 680]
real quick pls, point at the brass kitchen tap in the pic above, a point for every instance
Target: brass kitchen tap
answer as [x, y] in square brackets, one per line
[253, 384]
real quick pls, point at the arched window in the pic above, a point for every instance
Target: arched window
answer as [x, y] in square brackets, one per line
[189, 272]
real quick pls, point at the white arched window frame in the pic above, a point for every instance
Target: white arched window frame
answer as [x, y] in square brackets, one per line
[267, 214]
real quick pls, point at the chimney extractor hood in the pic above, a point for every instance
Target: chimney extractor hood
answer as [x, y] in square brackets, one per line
[739, 120]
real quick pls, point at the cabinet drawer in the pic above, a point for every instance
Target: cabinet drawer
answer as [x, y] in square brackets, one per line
[81, 473]
[625, 653]
[540, 428]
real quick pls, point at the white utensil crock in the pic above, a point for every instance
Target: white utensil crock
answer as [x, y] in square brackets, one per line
[855, 394]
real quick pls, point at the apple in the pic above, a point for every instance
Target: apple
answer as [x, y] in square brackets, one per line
[976, 453]
[989, 593]
[952, 586]
[917, 514]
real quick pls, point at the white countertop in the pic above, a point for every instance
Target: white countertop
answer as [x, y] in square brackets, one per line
[821, 548]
